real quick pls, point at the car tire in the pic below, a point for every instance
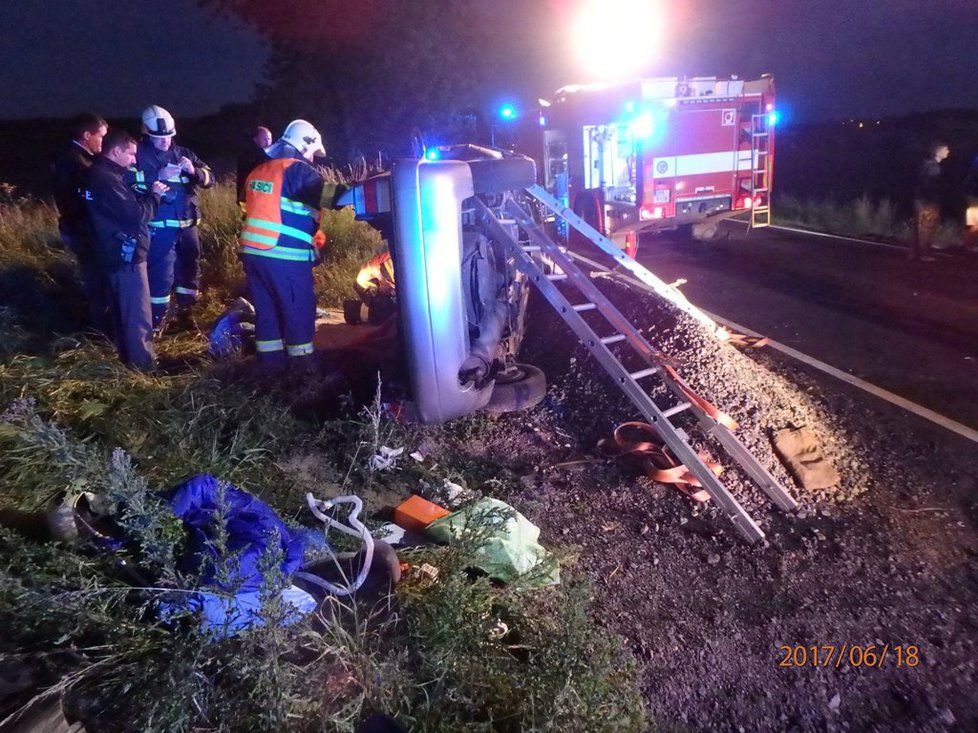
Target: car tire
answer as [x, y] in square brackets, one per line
[520, 387]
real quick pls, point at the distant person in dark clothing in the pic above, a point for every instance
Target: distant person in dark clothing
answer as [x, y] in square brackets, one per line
[252, 157]
[926, 201]
[70, 171]
[971, 214]
[119, 217]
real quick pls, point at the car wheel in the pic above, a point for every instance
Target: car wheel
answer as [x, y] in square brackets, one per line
[520, 387]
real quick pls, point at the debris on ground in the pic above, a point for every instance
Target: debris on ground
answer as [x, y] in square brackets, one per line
[799, 449]
[415, 513]
[508, 543]
[385, 459]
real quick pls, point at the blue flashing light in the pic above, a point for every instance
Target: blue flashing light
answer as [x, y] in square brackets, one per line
[543, 121]
[432, 154]
[507, 112]
[643, 126]
[773, 118]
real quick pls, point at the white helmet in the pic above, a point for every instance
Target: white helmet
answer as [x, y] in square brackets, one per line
[157, 122]
[305, 138]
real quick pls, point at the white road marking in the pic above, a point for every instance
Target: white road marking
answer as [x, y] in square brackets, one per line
[894, 399]
[869, 242]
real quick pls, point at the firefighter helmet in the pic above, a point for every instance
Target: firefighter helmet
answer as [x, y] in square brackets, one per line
[305, 138]
[157, 122]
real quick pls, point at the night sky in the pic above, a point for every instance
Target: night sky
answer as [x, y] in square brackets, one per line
[832, 58]
[118, 56]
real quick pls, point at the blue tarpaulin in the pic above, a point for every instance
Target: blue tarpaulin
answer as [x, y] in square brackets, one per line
[253, 529]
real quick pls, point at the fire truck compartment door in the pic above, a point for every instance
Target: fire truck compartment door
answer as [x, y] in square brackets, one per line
[427, 198]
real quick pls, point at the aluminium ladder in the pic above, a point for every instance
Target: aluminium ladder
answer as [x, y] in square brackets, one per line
[631, 383]
[760, 163]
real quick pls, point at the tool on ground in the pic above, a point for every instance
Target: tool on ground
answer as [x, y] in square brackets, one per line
[540, 248]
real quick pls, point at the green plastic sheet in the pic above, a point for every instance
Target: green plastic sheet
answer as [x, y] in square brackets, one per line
[508, 547]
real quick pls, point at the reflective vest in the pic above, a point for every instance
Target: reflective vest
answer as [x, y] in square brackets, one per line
[276, 226]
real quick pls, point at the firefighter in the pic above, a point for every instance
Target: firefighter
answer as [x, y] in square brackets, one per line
[251, 157]
[174, 256]
[119, 218]
[376, 278]
[376, 287]
[70, 171]
[927, 195]
[280, 244]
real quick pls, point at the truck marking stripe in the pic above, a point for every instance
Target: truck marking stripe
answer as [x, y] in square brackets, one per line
[702, 163]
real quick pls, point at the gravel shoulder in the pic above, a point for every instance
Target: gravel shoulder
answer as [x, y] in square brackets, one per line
[887, 558]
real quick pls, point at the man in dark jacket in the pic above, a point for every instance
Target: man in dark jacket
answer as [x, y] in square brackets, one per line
[119, 219]
[252, 157]
[174, 257]
[927, 207]
[69, 171]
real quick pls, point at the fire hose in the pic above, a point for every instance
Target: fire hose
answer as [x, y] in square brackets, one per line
[355, 529]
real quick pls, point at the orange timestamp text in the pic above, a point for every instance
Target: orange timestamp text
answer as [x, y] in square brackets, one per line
[852, 655]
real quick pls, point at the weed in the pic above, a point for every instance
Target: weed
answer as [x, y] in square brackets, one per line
[432, 654]
[861, 217]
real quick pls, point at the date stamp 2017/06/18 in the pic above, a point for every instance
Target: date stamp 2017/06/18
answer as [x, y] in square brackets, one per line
[852, 655]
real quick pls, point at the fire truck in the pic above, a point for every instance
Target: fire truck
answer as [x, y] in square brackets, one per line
[661, 154]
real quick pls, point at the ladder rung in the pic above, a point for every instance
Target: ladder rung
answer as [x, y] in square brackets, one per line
[643, 373]
[557, 276]
[677, 409]
[584, 307]
[607, 340]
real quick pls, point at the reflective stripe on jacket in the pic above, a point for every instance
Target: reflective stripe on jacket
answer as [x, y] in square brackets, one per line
[277, 224]
[180, 206]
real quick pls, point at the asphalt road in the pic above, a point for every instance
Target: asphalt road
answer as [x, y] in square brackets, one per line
[908, 327]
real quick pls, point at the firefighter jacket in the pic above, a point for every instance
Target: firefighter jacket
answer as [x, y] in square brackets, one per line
[118, 216]
[282, 200]
[70, 169]
[179, 207]
[378, 274]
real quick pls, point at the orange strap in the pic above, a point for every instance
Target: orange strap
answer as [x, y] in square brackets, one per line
[749, 342]
[656, 460]
[706, 406]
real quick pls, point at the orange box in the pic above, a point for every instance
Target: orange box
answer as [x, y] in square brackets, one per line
[415, 513]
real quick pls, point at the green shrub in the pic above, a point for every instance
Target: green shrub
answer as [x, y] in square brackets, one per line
[861, 217]
[458, 653]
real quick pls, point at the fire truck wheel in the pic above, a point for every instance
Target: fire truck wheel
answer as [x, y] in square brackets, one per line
[520, 387]
[697, 232]
[587, 205]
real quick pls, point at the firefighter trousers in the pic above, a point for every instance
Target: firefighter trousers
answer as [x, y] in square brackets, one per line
[285, 309]
[174, 266]
[133, 330]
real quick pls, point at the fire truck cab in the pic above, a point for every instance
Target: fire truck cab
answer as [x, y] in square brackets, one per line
[658, 154]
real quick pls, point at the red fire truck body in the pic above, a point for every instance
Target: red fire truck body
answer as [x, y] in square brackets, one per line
[657, 154]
